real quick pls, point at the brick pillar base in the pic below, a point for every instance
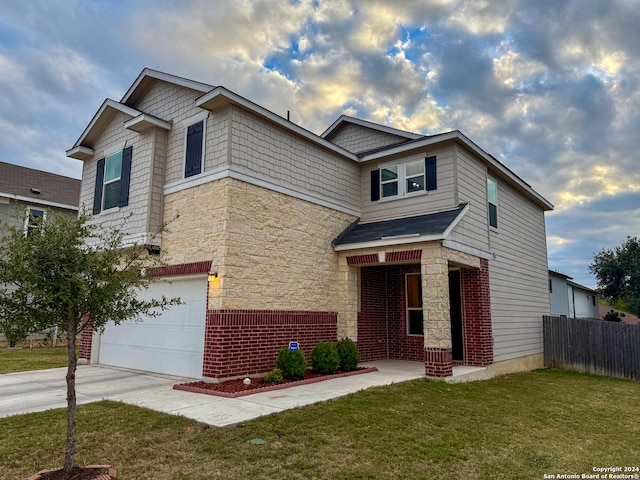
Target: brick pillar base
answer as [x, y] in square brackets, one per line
[438, 362]
[86, 338]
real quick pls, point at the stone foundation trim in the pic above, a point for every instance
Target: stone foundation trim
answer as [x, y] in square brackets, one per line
[365, 259]
[180, 269]
[404, 256]
[438, 362]
[246, 342]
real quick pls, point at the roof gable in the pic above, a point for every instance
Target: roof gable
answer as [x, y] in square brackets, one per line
[345, 120]
[148, 76]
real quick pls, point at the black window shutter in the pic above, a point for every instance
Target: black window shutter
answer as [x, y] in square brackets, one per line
[375, 185]
[125, 177]
[193, 162]
[430, 170]
[97, 194]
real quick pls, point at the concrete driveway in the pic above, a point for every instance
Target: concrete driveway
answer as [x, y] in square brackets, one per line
[40, 390]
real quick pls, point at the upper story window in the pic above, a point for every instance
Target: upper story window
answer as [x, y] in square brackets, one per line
[35, 216]
[394, 181]
[113, 176]
[195, 129]
[492, 198]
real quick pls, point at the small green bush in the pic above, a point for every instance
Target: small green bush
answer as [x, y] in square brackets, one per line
[349, 355]
[274, 376]
[324, 358]
[292, 363]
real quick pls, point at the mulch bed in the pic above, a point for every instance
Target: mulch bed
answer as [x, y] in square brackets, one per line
[236, 388]
[93, 472]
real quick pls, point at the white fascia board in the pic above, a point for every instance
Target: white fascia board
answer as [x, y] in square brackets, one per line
[80, 153]
[144, 122]
[456, 220]
[372, 125]
[457, 135]
[108, 103]
[461, 247]
[146, 238]
[47, 203]
[165, 77]
[389, 241]
[221, 95]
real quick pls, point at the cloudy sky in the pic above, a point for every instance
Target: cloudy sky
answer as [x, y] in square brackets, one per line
[549, 87]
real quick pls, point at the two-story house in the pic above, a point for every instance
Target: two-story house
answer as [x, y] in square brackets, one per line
[421, 248]
[28, 195]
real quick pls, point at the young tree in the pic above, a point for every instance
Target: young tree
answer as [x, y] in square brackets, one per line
[68, 271]
[618, 273]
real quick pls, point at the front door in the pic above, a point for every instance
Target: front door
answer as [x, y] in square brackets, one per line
[455, 309]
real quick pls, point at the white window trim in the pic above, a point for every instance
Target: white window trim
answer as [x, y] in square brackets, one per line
[407, 308]
[26, 220]
[402, 178]
[491, 227]
[186, 123]
[105, 182]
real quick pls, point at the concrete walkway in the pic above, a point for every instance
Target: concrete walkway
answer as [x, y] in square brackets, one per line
[40, 390]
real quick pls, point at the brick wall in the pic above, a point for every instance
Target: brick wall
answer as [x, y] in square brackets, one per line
[382, 327]
[246, 342]
[401, 345]
[372, 317]
[476, 312]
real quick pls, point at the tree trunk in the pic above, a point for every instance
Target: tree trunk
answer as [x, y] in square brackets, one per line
[71, 396]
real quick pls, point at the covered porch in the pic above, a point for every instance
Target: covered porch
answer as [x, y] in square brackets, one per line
[411, 293]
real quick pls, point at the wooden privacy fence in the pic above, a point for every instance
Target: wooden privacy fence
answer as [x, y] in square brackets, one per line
[592, 346]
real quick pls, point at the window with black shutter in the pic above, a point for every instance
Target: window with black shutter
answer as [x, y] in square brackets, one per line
[113, 178]
[404, 179]
[193, 156]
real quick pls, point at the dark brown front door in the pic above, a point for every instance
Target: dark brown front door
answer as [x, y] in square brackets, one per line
[455, 309]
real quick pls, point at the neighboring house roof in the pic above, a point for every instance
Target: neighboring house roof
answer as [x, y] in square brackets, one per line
[561, 275]
[35, 186]
[582, 287]
[433, 226]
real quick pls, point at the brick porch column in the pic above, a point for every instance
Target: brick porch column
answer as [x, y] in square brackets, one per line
[476, 304]
[438, 359]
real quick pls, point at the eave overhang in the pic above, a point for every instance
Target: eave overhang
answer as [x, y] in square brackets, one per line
[144, 122]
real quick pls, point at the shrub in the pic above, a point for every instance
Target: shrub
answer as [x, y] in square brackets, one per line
[349, 355]
[324, 358]
[292, 363]
[274, 376]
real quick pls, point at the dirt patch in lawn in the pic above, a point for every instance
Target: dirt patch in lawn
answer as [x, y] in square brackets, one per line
[98, 472]
[237, 388]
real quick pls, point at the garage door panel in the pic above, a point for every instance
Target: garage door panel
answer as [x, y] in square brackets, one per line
[171, 343]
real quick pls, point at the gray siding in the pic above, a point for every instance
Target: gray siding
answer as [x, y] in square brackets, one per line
[443, 198]
[113, 136]
[518, 276]
[356, 138]
[473, 229]
[270, 153]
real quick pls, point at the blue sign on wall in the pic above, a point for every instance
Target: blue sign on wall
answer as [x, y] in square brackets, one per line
[294, 346]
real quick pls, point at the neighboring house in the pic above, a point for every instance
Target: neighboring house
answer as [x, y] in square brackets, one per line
[26, 195]
[417, 247]
[570, 299]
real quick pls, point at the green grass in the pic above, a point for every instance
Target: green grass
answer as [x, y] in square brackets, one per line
[27, 359]
[517, 426]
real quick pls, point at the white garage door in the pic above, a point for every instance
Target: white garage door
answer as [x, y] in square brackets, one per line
[172, 343]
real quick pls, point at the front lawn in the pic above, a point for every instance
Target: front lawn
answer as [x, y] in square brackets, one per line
[518, 426]
[25, 359]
